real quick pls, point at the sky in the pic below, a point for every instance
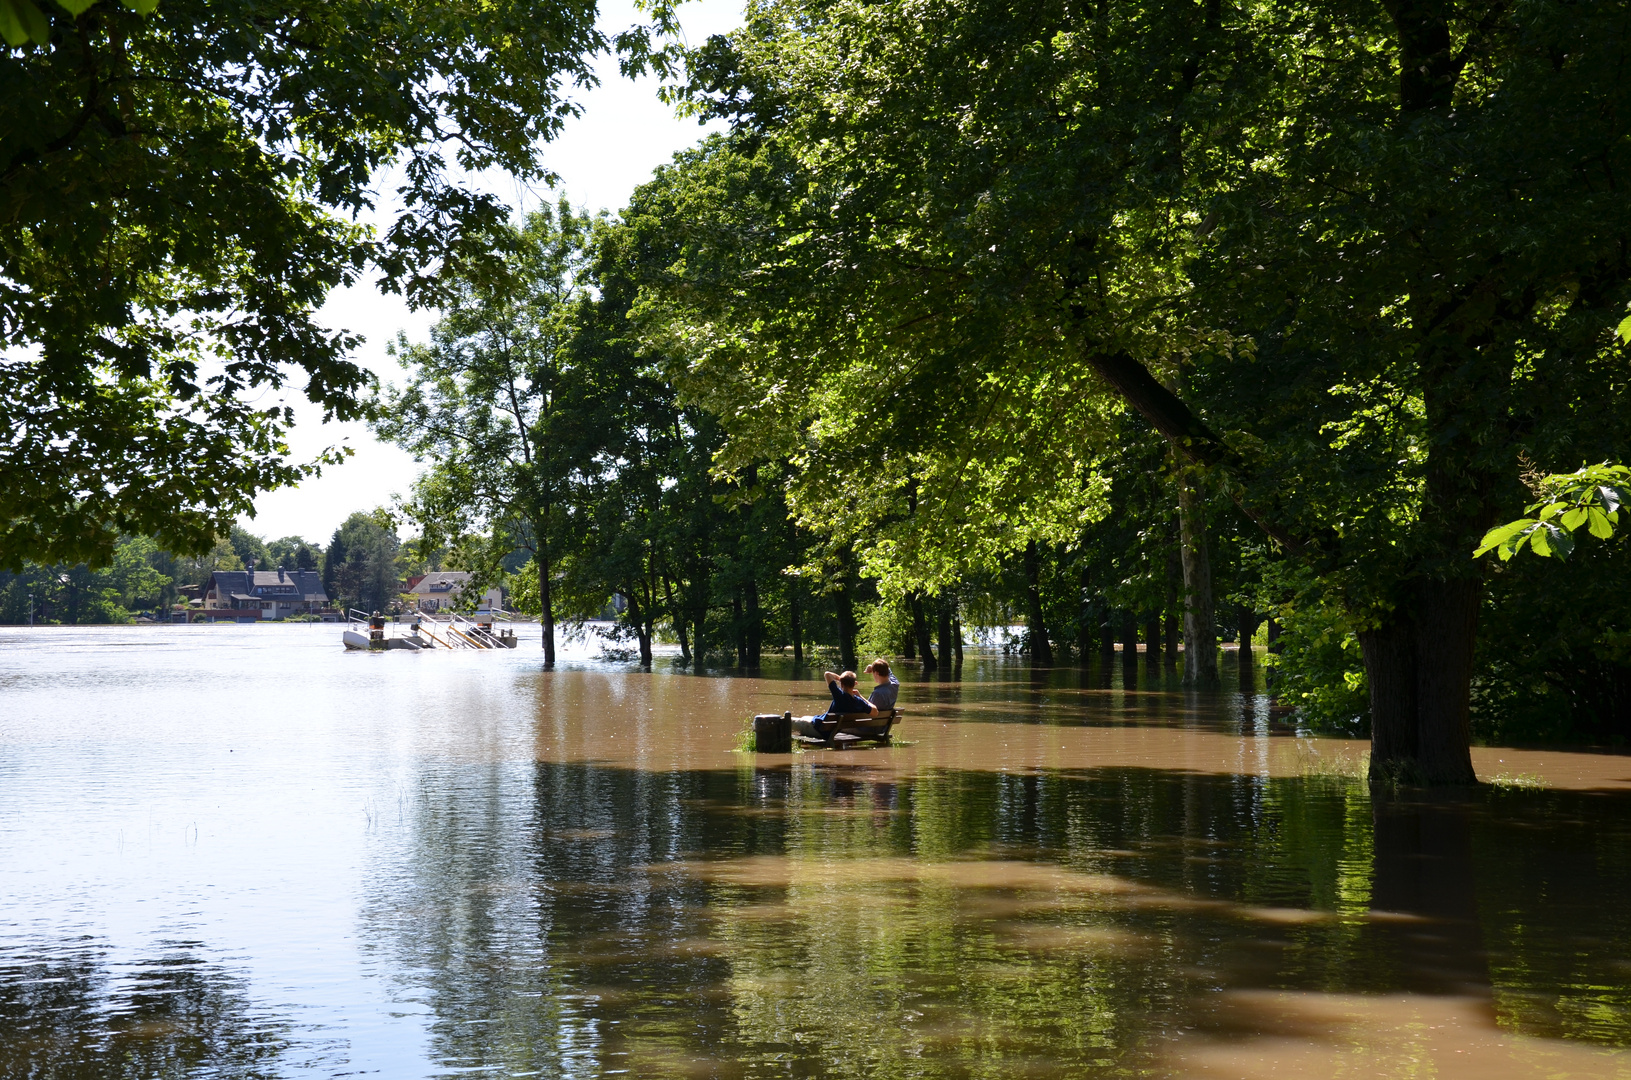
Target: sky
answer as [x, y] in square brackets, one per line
[601, 157]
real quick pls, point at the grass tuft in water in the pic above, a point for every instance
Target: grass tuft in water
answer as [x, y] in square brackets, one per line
[747, 742]
[1311, 763]
[1517, 782]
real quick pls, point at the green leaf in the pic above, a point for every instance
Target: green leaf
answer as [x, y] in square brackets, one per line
[1498, 536]
[1624, 330]
[11, 27]
[141, 7]
[22, 22]
[1601, 527]
[1574, 518]
[76, 8]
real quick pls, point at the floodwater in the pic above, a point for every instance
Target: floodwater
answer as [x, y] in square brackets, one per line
[240, 852]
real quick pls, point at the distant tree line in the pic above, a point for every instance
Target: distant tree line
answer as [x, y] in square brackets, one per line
[362, 566]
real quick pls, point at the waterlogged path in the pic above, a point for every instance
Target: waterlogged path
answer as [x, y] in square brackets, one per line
[240, 852]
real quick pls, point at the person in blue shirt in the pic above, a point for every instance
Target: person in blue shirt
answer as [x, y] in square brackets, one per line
[845, 701]
[887, 687]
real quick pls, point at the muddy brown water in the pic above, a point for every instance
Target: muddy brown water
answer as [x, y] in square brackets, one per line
[240, 852]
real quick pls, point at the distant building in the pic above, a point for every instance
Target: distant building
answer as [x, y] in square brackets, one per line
[262, 594]
[443, 589]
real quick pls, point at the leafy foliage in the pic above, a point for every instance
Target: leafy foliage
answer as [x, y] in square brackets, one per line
[183, 188]
[1590, 496]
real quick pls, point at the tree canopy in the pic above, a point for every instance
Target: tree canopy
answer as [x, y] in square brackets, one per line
[184, 187]
[1352, 262]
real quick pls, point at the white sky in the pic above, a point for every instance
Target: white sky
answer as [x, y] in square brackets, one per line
[623, 134]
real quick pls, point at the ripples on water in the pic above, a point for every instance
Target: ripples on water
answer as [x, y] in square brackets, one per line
[239, 852]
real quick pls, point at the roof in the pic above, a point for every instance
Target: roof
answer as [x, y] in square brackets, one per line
[295, 586]
[441, 583]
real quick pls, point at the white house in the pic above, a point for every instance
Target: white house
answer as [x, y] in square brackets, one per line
[443, 589]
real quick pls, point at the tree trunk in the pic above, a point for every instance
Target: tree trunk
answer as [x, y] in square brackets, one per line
[546, 606]
[845, 603]
[1152, 643]
[795, 623]
[1275, 646]
[943, 607]
[677, 617]
[1129, 646]
[1041, 651]
[756, 625]
[1084, 625]
[739, 629]
[920, 633]
[1248, 668]
[1446, 633]
[1200, 631]
[956, 640]
[1389, 654]
[1174, 627]
[1107, 640]
[642, 625]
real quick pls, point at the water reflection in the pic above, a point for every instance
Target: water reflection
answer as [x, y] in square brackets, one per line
[834, 919]
[479, 867]
[78, 1014]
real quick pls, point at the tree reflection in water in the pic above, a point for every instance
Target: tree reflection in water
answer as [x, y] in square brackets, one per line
[824, 918]
[76, 1015]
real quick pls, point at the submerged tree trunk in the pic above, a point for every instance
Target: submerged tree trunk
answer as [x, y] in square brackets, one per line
[1174, 627]
[641, 622]
[795, 623]
[756, 625]
[1247, 621]
[956, 640]
[1274, 647]
[677, 616]
[844, 601]
[1084, 625]
[1041, 651]
[739, 629]
[1200, 631]
[943, 608]
[920, 632]
[1389, 653]
[1152, 643]
[546, 607]
[1418, 663]
[1129, 646]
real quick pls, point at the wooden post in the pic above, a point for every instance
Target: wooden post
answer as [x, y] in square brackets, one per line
[773, 734]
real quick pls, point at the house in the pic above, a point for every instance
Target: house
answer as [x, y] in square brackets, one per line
[442, 589]
[262, 594]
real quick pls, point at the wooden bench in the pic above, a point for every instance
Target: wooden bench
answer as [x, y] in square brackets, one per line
[848, 732]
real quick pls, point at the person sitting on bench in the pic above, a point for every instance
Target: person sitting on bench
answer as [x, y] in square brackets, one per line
[845, 701]
[887, 687]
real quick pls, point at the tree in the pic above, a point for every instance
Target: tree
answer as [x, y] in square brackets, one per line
[365, 578]
[1323, 253]
[183, 190]
[480, 400]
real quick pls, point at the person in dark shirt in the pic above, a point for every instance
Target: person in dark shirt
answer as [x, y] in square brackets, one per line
[845, 700]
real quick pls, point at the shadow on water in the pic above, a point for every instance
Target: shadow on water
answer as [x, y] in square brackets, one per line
[824, 918]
